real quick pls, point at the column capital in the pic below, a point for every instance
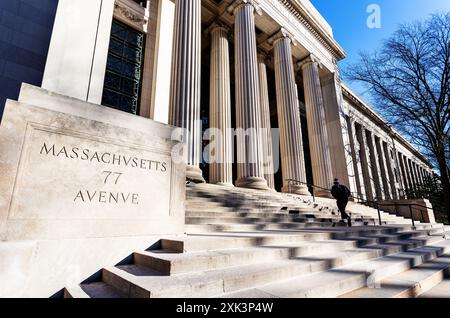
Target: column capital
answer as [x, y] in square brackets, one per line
[217, 25]
[262, 56]
[239, 3]
[281, 34]
[311, 59]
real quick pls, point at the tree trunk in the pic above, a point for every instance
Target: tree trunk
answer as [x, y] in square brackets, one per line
[445, 181]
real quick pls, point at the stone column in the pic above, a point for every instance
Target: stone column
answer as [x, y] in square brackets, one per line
[383, 168]
[416, 171]
[221, 167]
[374, 165]
[365, 163]
[403, 173]
[419, 172]
[292, 159]
[185, 86]
[408, 173]
[317, 132]
[390, 165]
[248, 107]
[355, 152]
[341, 161]
[401, 180]
[411, 174]
[265, 122]
[422, 176]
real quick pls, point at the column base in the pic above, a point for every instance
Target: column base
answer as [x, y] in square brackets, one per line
[225, 184]
[323, 194]
[252, 183]
[194, 174]
[296, 189]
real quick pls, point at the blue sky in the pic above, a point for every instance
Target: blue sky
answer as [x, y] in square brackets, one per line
[348, 18]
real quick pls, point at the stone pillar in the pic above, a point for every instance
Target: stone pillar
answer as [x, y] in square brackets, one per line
[292, 159]
[185, 87]
[416, 171]
[408, 173]
[355, 152]
[419, 172]
[340, 153]
[414, 174]
[365, 163]
[383, 169]
[317, 132]
[374, 165]
[78, 50]
[411, 174]
[221, 167]
[397, 165]
[422, 175]
[265, 122]
[248, 107]
[404, 172]
[390, 166]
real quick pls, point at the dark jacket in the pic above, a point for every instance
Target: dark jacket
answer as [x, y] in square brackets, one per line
[340, 192]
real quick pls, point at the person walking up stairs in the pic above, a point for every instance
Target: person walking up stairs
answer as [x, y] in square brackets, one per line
[341, 193]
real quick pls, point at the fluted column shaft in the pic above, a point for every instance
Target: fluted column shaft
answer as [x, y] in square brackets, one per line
[249, 147]
[416, 173]
[422, 179]
[375, 167]
[390, 169]
[408, 173]
[317, 132]
[365, 164]
[355, 149]
[265, 123]
[411, 174]
[185, 86]
[400, 175]
[291, 145]
[221, 165]
[403, 173]
[383, 168]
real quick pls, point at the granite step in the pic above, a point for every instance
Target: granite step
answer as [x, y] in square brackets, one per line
[441, 290]
[345, 279]
[174, 263]
[409, 284]
[140, 281]
[258, 219]
[98, 290]
[235, 240]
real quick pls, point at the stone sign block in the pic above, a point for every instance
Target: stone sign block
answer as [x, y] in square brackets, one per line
[70, 169]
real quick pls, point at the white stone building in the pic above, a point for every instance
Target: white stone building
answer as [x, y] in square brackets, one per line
[234, 64]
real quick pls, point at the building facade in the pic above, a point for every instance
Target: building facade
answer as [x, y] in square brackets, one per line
[235, 64]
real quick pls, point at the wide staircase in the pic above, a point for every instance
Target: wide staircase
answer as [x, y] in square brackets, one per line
[245, 243]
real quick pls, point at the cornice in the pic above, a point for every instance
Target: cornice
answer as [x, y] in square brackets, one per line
[322, 36]
[131, 13]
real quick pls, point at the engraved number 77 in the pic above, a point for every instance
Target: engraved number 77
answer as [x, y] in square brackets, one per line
[113, 175]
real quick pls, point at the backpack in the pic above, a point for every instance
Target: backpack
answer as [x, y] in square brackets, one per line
[344, 191]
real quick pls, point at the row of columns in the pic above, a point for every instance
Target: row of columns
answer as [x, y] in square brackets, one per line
[381, 172]
[254, 150]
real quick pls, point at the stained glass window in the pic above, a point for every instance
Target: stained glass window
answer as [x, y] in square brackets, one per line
[123, 76]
